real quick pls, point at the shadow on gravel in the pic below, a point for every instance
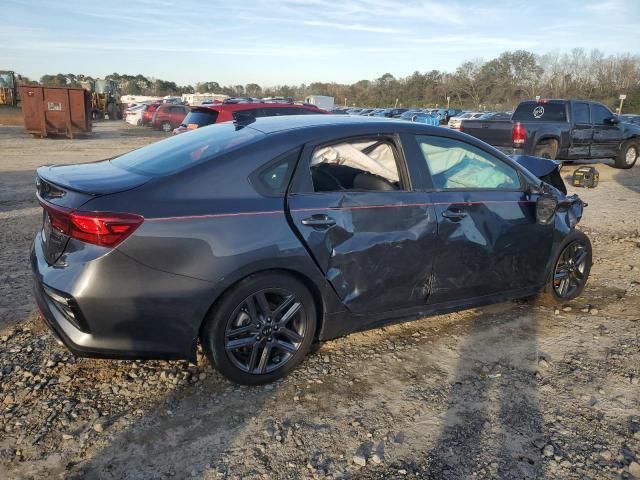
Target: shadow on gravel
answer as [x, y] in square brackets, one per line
[183, 436]
[493, 412]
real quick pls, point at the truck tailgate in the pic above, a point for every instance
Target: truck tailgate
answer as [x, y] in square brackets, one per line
[493, 132]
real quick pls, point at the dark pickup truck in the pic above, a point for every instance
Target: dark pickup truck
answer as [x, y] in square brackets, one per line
[561, 129]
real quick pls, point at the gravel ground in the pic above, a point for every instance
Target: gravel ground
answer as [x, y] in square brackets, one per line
[515, 390]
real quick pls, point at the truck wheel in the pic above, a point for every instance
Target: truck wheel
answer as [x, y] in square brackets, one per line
[628, 155]
[546, 149]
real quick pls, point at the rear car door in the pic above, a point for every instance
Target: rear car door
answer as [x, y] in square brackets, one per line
[372, 236]
[488, 238]
[606, 136]
[582, 130]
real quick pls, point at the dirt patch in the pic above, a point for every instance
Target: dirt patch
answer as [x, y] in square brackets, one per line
[10, 115]
[514, 390]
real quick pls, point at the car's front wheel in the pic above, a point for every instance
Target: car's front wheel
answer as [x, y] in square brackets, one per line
[570, 269]
[261, 329]
[628, 155]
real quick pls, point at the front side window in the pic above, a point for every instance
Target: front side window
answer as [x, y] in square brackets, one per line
[359, 165]
[454, 164]
[600, 114]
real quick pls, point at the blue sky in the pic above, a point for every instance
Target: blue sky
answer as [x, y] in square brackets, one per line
[297, 41]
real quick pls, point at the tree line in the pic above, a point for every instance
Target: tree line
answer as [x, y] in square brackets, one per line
[496, 84]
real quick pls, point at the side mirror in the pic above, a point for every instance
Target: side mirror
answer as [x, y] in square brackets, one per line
[546, 206]
[612, 120]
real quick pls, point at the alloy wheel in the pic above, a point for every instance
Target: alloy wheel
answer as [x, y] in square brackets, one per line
[265, 331]
[570, 272]
[631, 155]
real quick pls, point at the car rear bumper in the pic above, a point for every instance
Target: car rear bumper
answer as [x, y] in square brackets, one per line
[119, 307]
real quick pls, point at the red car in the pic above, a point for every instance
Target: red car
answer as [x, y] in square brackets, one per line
[168, 116]
[147, 115]
[207, 114]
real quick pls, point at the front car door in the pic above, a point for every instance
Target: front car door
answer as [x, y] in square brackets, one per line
[606, 136]
[352, 204]
[582, 130]
[488, 240]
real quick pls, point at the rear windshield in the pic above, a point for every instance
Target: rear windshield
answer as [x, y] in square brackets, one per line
[200, 118]
[545, 112]
[182, 151]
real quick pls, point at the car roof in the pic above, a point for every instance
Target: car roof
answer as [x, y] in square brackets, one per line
[250, 106]
[283, 123]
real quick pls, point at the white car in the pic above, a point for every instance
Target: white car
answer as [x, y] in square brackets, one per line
[454, 122]
[134, 114]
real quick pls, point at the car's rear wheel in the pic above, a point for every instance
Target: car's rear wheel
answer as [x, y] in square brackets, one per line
[261, 329]
[165, 127]
[628, 155]
[570, 269]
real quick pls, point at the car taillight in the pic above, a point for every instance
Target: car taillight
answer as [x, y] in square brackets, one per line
[518, 134]
[106, 229]
[461, 127]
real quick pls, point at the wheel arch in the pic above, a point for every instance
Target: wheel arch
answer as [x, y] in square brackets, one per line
[315, 291]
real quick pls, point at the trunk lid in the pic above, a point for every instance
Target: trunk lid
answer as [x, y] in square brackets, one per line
[64, 188]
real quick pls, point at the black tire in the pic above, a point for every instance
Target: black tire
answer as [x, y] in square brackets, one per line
[165, 127]
[111, 111]
[237, 331]
[628, 155]
[551, 292]
[546, 149]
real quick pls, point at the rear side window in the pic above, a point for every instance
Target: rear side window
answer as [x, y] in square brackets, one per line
[272, 179]
[360, 165]
[581, 113]
[200, 118]
[543, 112]
[254, 112]
[182, 151]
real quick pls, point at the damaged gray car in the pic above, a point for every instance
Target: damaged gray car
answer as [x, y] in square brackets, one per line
[257, 238]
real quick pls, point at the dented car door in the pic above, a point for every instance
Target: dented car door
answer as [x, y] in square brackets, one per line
[372, 237]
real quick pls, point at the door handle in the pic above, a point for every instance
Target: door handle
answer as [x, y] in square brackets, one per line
[454, 215]
[319, 221]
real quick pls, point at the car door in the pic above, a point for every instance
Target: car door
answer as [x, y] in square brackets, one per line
[488, 238]
[582, 130]
[352, 205]
[606, 136]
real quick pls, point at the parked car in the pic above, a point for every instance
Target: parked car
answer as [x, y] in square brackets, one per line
[563, 129]
[168, 116]
[133, 115]
[455, 122]
[147, 115]
[255, 241]
[426, 118]
[409, 114]
[207, 115]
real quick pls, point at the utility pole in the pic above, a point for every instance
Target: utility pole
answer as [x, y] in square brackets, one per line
[448, 102]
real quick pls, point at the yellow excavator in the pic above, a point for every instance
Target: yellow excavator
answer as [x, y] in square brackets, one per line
[105, 99]
[9, 93]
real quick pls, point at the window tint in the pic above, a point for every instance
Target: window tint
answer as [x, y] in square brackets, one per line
[182, 151]
[254, 112]
[454, 164]
[360, 164]
[599, 114]
[581, 113]
[200, 118]
[544, 111]
[273, 178]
